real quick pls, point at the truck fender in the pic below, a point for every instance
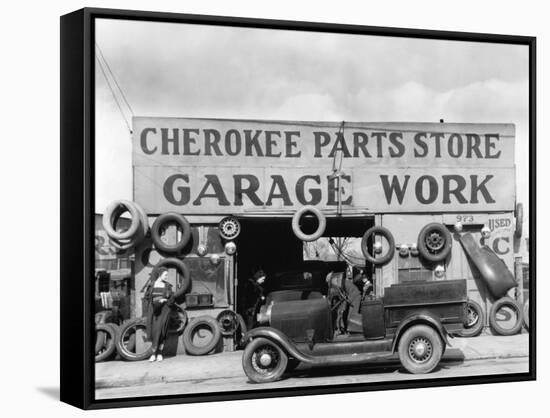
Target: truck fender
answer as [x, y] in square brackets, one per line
[280, 339]
[420, 318]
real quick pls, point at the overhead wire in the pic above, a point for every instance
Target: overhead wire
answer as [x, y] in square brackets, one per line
[114, 95]
[114, 78]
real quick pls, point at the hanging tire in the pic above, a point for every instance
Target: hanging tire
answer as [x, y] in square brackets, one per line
[111, 215]
[494, 321]
[526, 315]
[264, 361]
[434, 242]
[131, 337]
[108, 347]
[320, 219]
[202, 335]
[163, 219]
[385, 232]
[420, 349]
[184, 284]
[518, 214]
[475, 320]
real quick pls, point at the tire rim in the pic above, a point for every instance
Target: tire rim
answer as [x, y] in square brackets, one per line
[129, 338]
[472, 317]
[229, 228]
[265, 360]
[420, 349]
[434, 241]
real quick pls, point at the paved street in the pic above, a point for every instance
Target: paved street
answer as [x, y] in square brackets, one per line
[223, 372]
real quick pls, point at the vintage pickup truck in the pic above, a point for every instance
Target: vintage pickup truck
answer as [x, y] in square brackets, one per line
[297, 325]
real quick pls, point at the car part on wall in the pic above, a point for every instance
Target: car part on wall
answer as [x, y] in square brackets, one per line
[526, 315]
[158, 226]
[475, 317]
[404, 250]
[229, 228]
[494, 272]
[497, 314]
[202, 335]
[321, 219]
[139, 226]
[131, 340]
[518, 214]
[434, 242]
[228, 322]
[184, 282]
[107, 346]
[230, 248]
[485, 232]
[178, 320]
[378, 230]
[199, 300]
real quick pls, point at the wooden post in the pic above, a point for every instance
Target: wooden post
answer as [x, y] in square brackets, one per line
[518, 270]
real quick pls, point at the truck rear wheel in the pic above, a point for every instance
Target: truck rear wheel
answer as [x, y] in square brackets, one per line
[420, 349]
[264, 361]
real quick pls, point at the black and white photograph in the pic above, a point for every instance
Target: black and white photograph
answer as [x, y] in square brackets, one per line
[305, 209]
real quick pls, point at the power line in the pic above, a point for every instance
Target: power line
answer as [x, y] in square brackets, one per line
[114, 78]
[114, 95]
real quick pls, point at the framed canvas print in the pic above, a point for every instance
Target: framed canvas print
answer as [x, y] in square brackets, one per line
[258, 208]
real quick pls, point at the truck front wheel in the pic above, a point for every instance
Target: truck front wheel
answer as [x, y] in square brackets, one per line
[420, 349]
[264, 361]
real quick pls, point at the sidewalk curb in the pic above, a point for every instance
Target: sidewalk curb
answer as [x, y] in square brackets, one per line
[110, 382]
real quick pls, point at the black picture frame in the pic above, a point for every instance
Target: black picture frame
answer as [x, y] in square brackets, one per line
[77, 204]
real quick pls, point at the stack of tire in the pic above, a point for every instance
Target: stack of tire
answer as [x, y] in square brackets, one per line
[136, 232]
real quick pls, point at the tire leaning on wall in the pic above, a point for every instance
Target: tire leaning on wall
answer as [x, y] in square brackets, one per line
[476, 319]
[126, 340]
[493, 322]
[194, 327]
[321, 219]
[107, 348]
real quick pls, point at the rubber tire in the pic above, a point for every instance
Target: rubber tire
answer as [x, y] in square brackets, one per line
[143, 218]
[478, 327]
[518, 214]
[185, 236]
[320, 218]
[235, 322]
[437, 349]
[385, 232]
[185, 285]
[241, 332]
[115, 209]
[526, 315]
[183, 319]
[505, 301]
[197, 322]
[248, 368]
[109, 343]
[121, 348]
[447, 246]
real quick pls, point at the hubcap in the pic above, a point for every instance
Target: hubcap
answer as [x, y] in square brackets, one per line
[434, 241]
[420, 349]
[265, 359]
[473, 317]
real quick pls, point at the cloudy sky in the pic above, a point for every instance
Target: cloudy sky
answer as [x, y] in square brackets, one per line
[180, 70]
